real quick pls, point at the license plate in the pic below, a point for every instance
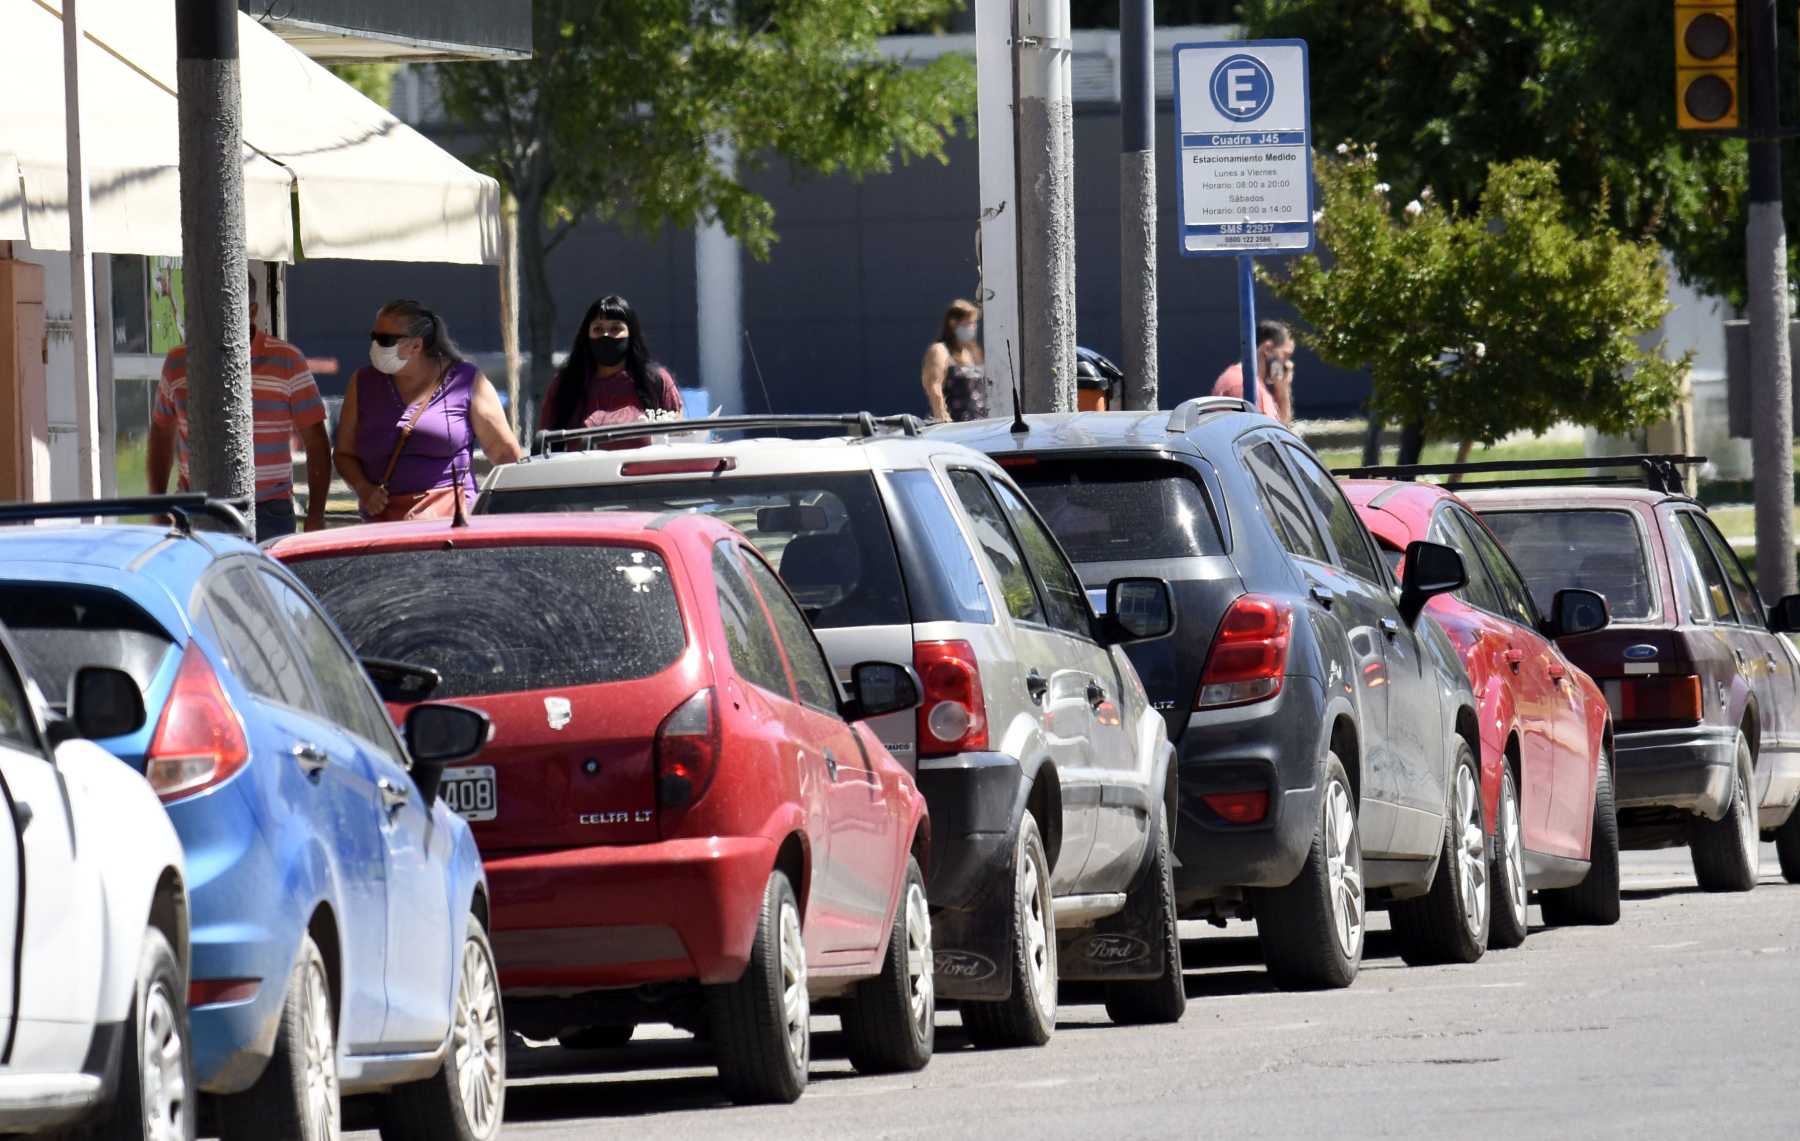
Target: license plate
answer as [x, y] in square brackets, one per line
[471, 792]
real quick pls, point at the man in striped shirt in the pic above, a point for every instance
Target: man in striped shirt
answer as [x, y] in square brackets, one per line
[285, 401]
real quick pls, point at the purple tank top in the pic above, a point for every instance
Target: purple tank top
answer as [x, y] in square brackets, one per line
[441, 444]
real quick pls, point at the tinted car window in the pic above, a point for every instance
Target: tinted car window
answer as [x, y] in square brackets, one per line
[1479, 592]
[1600, 550]
[506, 619]
[1063, 596]
[1346, 528]
[60, 627]
[942, 579]
[997, 542]
[826, 534]
[349, 699]
[812, 676]
[1743, 595]
[1281, 499]
[1510, 591]
[1106, 509]
[255, 641]
[1713, 592]
[16, 728]
[751, 643]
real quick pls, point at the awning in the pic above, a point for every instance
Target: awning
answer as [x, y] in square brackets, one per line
[358, 182]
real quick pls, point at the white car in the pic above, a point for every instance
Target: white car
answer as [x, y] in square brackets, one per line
[93, 922]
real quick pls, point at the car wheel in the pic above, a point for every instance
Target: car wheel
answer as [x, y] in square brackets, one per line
[1027, 1016]
[1727, 851]
[465, 1099]
[1787, 847]
[155, 1099]
[1311, 931]
[1449, 923]
[296, 1098]
[890, 1020]
[1146, 1002]
[762, 1023]
[1509, 904]
[1593, 902]
[597, 1037]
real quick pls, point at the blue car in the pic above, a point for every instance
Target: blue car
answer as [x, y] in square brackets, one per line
[338, 904]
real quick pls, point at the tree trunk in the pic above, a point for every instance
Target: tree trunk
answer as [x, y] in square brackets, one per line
[1412, 443]
[1371, 449]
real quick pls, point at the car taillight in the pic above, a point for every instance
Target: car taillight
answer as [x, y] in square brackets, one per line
[1239, 807]
[687, 751]
[1657, 698]
[1249, 653]
[199, 741]
[708, 466]
[953, 715]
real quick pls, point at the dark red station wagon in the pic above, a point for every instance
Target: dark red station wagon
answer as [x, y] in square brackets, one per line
[681, 817]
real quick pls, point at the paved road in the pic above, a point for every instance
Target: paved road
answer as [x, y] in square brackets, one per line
[1682, 1021]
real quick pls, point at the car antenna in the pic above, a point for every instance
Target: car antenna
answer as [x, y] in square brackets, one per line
[1019, 426]
[768, 404]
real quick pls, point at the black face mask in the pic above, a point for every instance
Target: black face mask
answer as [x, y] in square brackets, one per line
[608, 351]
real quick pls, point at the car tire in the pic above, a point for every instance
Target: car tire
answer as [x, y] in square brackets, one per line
[1787, 847]
[1511, 905]
[1594, 902]
[466, 1099]
[1027, 1016]
[1161, 1000]
[762, 1023]
[1449, 923]
[1727, 851]
[890, 1021]
[155, 1099]
[1312, 930]
[598, 1037]
[297, 1096]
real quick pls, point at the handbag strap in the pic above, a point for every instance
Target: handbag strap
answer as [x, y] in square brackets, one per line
[412, 421]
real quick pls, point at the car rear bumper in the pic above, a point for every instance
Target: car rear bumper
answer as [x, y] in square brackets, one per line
[1687, 768]
[617, 916]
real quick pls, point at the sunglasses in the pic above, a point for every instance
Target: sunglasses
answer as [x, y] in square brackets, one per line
[387, 340]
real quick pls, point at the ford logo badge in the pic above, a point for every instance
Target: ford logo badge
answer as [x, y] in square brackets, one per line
[1641, 652]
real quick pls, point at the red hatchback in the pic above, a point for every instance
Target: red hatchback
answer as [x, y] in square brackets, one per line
[1546, 734]
[682, 819]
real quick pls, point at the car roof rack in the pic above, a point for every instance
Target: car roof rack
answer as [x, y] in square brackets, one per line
[1185, 415]
[1653, 472]
[182, 508]
[859, 424]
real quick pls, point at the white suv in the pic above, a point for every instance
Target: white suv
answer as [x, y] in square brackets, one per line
[1046, 771]
[93, 922]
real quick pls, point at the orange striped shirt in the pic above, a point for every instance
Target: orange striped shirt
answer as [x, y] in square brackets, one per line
[284, 397]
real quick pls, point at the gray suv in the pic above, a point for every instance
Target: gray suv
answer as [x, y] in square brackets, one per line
[1049, 777]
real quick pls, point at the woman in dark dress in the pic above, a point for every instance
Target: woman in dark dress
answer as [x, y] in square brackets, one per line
[954, 373]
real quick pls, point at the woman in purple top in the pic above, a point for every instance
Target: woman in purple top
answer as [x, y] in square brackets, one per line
[406, 436]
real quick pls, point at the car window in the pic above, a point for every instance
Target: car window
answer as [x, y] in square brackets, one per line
[59, 627]
[996, 541]
[349, 698]
[754, 652]
[1479, 592]
[1347, 532]
[812, 675]
[1104, 509]
[1708, 595]
[1063, 595]
[943, 580]
[1281, 499]
[1743, 594]
[1599, 549]
[506, 619]
[1511, 595]
[254, 641]
[16, 726]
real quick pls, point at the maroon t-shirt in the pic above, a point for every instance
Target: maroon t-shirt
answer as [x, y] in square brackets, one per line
[608, 400]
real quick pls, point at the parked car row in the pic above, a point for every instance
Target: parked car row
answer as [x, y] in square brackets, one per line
[830, 712]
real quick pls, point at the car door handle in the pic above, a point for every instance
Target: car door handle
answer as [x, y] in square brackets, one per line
[311, 759]
[393, 795]
[1513, 658]
[1323, 595]
[1095, 694]
[830, 765]
[1036, 686]
[1559, 675]
[1390, 626]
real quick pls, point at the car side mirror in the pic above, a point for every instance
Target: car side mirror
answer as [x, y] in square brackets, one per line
[1784, 616]
[103, 703]
[1577, 611]
[1431, 569]
[877, 688]
[1137, 609]
[438, 735]
[401, 683]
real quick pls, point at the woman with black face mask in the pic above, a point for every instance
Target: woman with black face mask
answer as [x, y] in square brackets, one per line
[609, 377]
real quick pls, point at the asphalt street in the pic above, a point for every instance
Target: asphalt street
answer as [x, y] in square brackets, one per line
[1681, 1021]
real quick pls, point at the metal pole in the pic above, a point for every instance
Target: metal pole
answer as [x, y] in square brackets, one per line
[1246, 275]
[1046, 158]
[1771, 367]
[999, 200]
[105, 372]
[220, 437]
[81, 281]
[1137, 201]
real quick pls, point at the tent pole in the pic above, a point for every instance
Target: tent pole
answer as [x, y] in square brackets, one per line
[509, 303]
[81, 282]
[106, 374]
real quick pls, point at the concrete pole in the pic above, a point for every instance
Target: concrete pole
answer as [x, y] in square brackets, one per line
[1046, 158]
[718, 292]
[81, 266]
[999, 227]
[509, 304]
[1137, 200]
[210, 110]
[1771, 367]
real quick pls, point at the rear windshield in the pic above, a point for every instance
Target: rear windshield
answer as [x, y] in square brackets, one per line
[61, 627]
[506, 619]
[826, 534]
[1602, 551]
[1104, 509]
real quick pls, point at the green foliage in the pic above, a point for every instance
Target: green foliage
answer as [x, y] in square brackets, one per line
[1477, 323]
[374, 80]
[1444, 88]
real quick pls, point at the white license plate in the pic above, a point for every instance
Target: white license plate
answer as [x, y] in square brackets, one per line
[471, 792]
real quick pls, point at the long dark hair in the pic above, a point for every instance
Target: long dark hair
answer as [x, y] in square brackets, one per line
[426, 325]
[571, 380]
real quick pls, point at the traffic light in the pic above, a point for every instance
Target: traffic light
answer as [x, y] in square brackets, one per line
[1706, 65]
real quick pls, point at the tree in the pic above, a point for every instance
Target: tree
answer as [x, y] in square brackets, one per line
[622, 110]
[1445, 88]
[375, 79]
[1476, 323]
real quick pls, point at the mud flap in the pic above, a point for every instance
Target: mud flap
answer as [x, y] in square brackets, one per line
[1127, 944]
[972, 952]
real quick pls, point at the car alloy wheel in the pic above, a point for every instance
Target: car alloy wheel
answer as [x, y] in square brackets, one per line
[318, 1056]
[796, 1004]
[1744, 804]
[1512, 850]
[1471, 853]
[1343, 862]
[476, 1043]
[920, 983]
[167, 1106]
[1039, 951]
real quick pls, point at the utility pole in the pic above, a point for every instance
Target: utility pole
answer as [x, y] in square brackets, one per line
[1137, 200]
[998, 236]
[214, 269]
[81, 265]
[1771, 366]
[1046, 217]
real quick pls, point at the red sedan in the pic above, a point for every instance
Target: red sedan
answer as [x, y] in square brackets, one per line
[1546, 734]
[682, 818]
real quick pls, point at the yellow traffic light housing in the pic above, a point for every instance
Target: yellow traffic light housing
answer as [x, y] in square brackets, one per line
[1706, 66]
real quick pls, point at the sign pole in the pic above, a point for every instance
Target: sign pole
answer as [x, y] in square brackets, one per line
[1246, 274]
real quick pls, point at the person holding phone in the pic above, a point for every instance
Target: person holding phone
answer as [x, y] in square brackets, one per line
[1274, 373]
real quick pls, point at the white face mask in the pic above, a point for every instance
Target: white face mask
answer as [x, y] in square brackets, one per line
[388, 359]
[966, 333]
